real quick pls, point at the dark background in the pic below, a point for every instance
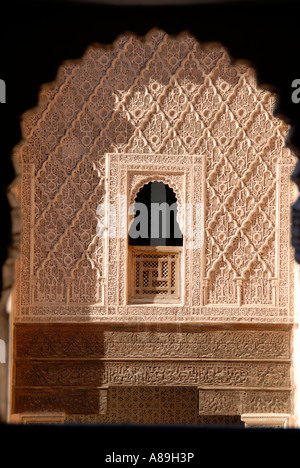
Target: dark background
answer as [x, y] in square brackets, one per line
[36, 37]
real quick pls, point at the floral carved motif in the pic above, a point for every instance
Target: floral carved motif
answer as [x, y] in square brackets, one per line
[176, 100]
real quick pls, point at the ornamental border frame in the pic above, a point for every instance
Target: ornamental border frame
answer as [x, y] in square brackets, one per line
[126, 174]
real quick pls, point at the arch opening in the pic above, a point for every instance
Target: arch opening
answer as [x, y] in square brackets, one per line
[155, 217]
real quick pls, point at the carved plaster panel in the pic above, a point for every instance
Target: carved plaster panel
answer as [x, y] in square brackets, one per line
[67, 400]
[67, 367]
[139, 405]
[36, 373]
[98, 341]
[239, 402]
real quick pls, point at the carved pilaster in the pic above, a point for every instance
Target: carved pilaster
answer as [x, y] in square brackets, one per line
[239, 287]
[274, 283]
[205, 283]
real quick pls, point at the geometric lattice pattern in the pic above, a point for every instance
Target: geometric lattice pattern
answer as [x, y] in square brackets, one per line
[175, 97]
[153, 405]
[156, 274]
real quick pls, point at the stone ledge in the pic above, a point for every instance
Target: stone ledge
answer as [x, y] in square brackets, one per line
[38, 418]
[276, 420]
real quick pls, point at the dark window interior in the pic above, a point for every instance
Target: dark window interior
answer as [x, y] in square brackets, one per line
[157, 193]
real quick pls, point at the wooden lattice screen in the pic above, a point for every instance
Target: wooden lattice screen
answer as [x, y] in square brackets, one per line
[154, 274]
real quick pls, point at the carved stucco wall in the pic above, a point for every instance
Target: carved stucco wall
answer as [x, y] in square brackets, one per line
[159, 108]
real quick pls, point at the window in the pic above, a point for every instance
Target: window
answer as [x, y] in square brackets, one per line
[155, 246]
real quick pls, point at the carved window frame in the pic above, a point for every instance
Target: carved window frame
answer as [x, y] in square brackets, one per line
[126, 175]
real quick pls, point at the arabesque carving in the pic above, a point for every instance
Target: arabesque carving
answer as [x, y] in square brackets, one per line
[159, 109]
[176, 98]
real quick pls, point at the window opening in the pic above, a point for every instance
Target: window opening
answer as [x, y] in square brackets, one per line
[155, 221]
[155, 246]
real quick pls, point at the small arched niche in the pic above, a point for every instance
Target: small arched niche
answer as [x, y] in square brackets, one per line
[155, 246]
[155, 217]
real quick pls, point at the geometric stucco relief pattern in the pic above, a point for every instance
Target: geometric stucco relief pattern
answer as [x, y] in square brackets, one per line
[181, 405]
[166, 109]
[178, 98]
